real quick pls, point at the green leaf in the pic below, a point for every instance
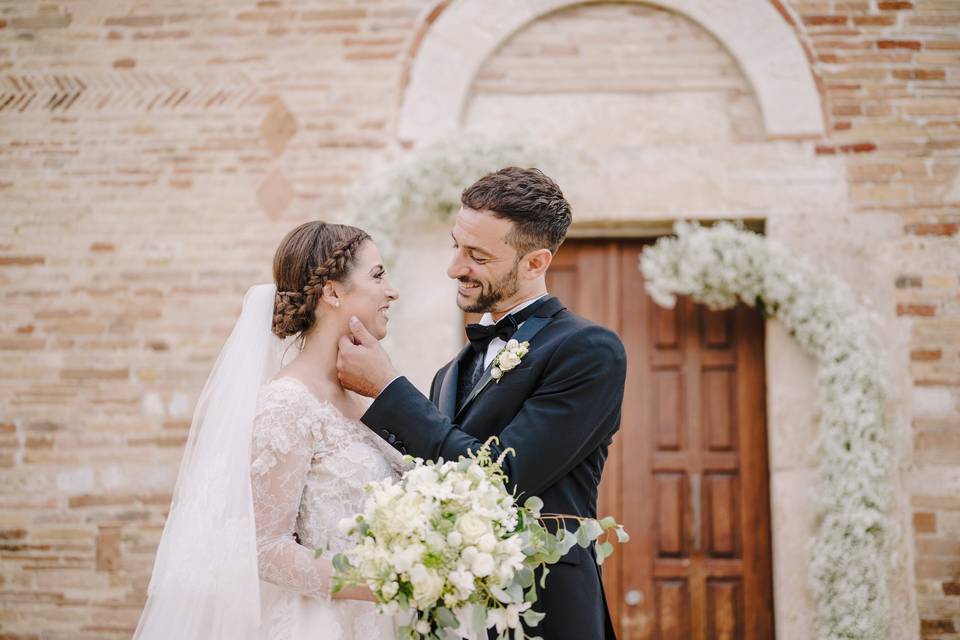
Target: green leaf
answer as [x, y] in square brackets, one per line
[622, 535]
[608, 523]
[543, 578]
[583, 537]
[530, 595]
[500, 595]
[532, 618]
[341, 564]
[446, 619]
[516, 593]
[478, 619]
[594, 530]
[534, 504]
[603, 552]
[524, 578]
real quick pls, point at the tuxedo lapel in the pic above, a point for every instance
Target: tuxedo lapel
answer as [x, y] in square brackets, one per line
[525, 333]
[447, 400]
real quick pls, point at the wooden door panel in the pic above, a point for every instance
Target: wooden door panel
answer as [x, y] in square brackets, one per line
[687, 474]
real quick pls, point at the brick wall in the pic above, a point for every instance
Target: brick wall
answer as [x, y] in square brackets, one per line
[153, 153]
[890, 73]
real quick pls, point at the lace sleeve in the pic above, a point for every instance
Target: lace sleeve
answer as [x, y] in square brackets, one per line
[282, 450]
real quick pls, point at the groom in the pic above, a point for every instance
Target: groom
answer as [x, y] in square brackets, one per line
[558, 408]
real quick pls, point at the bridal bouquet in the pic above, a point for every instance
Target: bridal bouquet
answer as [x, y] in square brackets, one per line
[448, 543]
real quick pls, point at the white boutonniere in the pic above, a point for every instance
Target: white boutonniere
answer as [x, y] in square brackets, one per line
[508, 358]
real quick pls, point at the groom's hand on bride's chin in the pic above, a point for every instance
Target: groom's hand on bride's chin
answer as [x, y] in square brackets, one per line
[362, 365]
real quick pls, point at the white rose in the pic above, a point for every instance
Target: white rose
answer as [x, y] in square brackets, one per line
[508, 360]
[487, 543]
[389, 590]
[472, 527]
[423, 627]
[427, 585]
[463, 581]
[434, 540]
[512, 344]
[469, 554]
[483, 565]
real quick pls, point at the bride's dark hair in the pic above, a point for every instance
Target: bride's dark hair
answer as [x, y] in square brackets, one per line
[306, 259]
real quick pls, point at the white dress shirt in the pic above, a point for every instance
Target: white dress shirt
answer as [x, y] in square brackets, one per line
[496, 344]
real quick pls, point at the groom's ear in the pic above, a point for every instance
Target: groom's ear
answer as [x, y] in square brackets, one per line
[537, 263]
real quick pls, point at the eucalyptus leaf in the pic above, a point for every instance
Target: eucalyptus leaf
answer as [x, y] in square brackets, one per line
[500, 595]
[543, 578]
[594, 530]
[534, 504]
[608, 523]
[604, 551]
[478, 619]
[583, 537]
[532, 618]
[340, 563]
[622, 535]
[524, 577]
[445, 618]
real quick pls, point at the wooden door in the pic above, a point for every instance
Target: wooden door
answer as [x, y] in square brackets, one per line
[687, 474]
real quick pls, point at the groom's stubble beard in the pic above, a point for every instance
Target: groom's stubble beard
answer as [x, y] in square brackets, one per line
[491, 294]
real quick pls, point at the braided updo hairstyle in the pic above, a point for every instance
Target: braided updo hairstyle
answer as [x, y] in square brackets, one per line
[308, 257]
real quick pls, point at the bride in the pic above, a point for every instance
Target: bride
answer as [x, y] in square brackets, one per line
[275, 458]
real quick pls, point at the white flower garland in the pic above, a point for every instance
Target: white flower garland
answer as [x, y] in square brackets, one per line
[717, 266]
[424, 185]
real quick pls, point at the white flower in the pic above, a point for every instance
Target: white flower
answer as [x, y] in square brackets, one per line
[509, 360]
[422, 627]
[463, 581]
[487, 543]
[346, 525]
[454, 539]
[427, 585]
[483, 565]
[472, 527]
[389, 590]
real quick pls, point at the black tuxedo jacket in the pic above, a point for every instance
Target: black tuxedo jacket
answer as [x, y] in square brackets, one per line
[558, 409]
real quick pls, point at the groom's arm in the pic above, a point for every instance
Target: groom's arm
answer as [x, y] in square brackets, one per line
[575, 408]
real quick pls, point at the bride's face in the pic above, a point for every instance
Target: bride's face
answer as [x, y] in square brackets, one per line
[370, 293]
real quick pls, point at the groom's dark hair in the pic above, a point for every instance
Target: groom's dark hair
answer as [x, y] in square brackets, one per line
[528, 198]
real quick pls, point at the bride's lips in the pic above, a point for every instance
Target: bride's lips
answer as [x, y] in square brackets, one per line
[385, 311]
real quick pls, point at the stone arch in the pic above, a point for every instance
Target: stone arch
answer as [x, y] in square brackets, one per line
[466, 33]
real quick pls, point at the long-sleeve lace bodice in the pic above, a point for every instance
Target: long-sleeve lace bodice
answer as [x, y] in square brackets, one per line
[309, 467]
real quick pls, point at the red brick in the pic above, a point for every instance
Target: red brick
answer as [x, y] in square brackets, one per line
[334, 14]
[933, 229]
[134, 21]
[951, 588]
[894, 6]
[913, 45]
[124, 63]
[814, 21]
[874, 21]
[923, 310]
[926, 355]
[94, 374]
[108, 549]
[21, 261]
[937, 626]
[101, 247]
[8, 427]
[3, 23]
[919, 74]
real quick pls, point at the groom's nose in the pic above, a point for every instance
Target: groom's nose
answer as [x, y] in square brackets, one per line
[457, 267]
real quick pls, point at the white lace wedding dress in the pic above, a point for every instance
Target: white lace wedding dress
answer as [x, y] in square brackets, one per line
[309, 465]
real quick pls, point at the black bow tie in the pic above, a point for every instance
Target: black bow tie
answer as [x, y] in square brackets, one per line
[480, 335]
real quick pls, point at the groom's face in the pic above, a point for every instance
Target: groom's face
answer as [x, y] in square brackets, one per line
[483, 263]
